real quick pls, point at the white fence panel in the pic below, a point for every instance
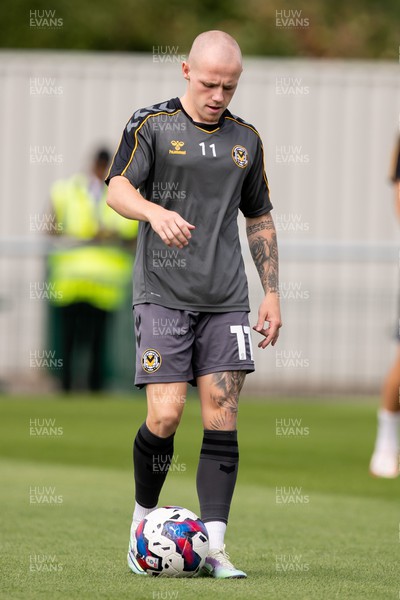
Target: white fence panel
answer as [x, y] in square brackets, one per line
[329, 128]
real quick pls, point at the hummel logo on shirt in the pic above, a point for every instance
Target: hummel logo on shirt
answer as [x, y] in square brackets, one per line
[177, 147]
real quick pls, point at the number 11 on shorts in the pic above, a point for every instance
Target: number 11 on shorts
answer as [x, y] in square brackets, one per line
[240, 331]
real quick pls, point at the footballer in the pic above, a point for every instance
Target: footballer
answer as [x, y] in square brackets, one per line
[190, 293]
[385, 458]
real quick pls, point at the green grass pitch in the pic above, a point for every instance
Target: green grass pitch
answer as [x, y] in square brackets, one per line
[307, 521]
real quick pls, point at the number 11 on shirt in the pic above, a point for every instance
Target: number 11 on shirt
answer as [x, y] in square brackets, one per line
[203, 149]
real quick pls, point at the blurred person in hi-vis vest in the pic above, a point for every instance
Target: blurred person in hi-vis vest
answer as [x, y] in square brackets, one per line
[90, 270]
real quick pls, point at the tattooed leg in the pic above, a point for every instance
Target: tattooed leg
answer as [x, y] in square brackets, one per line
[219, 396]
[219, 455]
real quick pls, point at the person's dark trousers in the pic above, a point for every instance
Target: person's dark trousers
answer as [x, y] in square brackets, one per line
[83, 326]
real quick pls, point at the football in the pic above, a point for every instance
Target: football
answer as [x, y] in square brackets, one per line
[171, 542]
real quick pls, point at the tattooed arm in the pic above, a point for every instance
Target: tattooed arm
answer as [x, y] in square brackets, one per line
[261, 235]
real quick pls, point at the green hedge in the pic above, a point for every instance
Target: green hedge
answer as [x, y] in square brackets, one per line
[323, 28]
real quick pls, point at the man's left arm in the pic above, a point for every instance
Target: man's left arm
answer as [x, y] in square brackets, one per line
[261, 235]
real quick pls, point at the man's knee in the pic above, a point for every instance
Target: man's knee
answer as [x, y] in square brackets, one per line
[165, 407]
[163, 421]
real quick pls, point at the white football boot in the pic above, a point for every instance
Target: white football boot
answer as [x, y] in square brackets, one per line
[219, 566]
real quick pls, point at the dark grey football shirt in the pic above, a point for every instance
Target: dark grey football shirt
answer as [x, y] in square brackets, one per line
[206, 174]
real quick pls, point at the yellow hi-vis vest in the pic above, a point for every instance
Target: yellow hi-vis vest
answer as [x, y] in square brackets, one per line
[95, 272]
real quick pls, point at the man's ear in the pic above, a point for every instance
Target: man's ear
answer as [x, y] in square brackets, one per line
[185, 70]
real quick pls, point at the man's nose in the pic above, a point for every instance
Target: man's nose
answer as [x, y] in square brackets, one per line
[218, 95]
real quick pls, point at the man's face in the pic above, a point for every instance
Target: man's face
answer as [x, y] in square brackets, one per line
[210, 89]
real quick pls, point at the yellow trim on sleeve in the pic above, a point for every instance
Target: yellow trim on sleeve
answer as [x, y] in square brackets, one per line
[138, 129]
[263, 161]
[244, 125]
[115, 154]
[262, 147]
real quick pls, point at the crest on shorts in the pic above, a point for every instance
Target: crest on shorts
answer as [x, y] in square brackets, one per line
[240, 156]
[151, 360]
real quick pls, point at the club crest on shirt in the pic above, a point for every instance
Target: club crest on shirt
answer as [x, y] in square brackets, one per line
[151, 360]
[177, 145]
[240, 156]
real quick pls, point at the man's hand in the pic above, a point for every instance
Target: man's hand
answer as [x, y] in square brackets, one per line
[170, 226]
[128, 202]
[269, 311]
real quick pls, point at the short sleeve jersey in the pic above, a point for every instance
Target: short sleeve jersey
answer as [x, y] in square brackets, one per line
[206, 173]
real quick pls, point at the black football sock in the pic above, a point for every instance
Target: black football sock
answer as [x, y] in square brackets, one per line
[152, 457]
[216, 474]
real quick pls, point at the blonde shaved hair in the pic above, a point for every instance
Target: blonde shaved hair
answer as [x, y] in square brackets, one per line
[219, 44]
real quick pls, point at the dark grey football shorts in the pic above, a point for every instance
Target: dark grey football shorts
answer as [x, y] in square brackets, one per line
[180, 345]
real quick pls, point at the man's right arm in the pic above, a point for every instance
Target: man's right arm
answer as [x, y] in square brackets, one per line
[128, 202]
